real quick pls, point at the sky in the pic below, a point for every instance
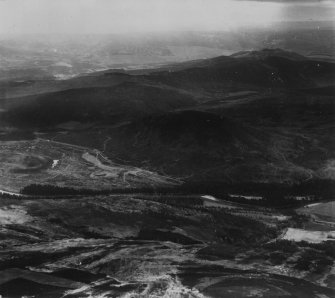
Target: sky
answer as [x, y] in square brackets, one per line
[120, 16]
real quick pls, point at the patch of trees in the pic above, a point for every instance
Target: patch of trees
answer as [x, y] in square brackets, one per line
[313, 257]
[285, 246]
[327, 247]
[53, 190]
[273, 195]
[319, 187]
[176, 201]
[314, 261]
[8, 196]
[288, 246]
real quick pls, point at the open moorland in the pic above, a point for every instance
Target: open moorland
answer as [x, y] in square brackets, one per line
[110, 246]
[46, 162]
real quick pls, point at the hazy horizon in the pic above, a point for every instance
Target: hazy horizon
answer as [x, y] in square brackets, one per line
[140, 16]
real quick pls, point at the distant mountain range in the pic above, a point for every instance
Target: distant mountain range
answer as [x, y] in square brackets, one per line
[62, 57]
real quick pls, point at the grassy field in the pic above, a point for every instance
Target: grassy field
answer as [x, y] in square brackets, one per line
[46, 162]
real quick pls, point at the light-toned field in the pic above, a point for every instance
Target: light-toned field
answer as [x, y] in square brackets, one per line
[325, 211]
[322, 216]
[309, 236]
[46, 162]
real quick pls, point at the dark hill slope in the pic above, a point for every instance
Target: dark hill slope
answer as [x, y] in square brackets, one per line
[104, 104]
[19, 88]
[263, 69]
[112, 97]
[202, 127]
[200, 145]
[302, 109]
[265, 53]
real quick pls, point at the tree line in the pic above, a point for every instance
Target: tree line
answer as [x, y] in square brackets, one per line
[272, 194]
